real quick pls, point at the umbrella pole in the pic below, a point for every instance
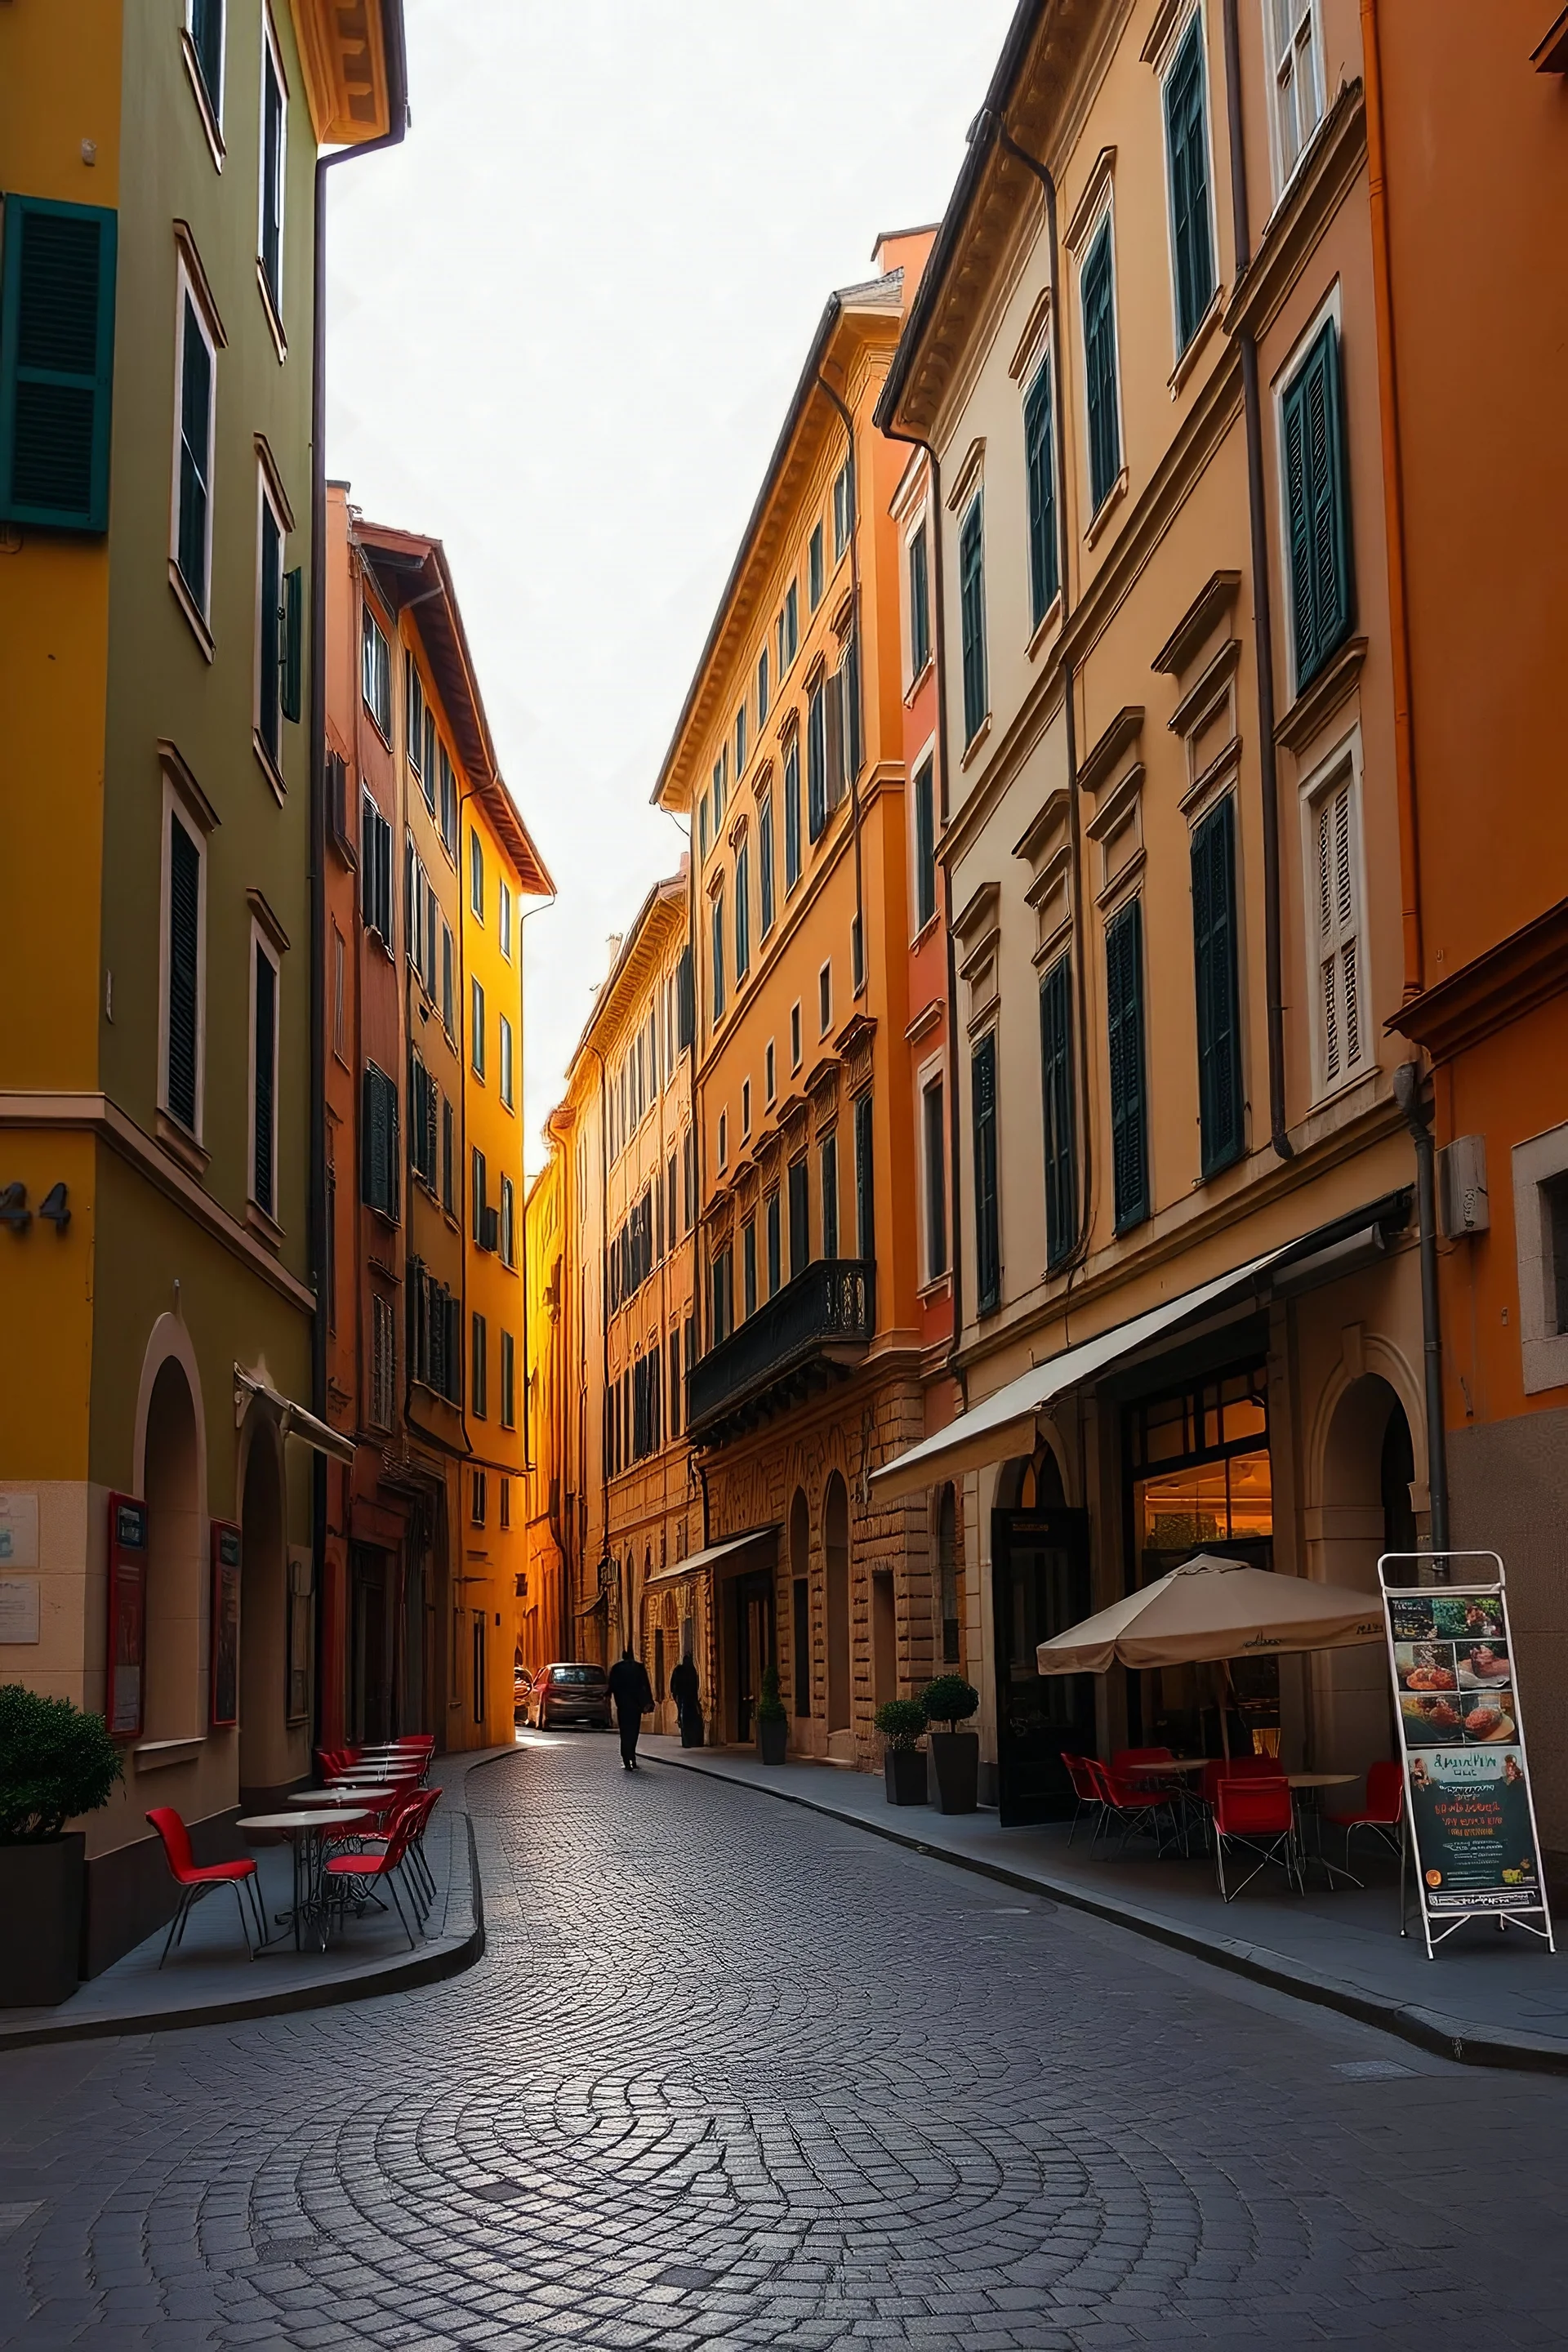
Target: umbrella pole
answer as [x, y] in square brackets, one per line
[1224, 1707]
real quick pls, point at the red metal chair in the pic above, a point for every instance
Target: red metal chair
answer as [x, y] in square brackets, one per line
[195, 1879]
[1134, 1807]
[1131, 1763]
[1381, 1811]
[1255, 1813]
[350, 1875]
[1089, 1800]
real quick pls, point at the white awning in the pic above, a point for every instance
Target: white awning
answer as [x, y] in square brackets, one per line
[293, 1421]
[1003, 1423]
[728, 1551]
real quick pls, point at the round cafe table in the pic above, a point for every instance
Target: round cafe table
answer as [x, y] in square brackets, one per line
[307, 1830]
[1300, 1783]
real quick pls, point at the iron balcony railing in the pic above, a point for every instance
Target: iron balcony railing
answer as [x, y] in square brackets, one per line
[812, 1328]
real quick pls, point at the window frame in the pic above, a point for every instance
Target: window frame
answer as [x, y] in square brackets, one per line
[815, 566]
[187, 291]
[504, 917]
[1341, 768]
[922, 852]
[767, 908]
[261, 946]
[476, 1026]
[176, 812]
[1192, 26]
[976, 687]
[1327, 319]
[716, 959]
[267, 505]
[272, 55]
[824, 998]
[930, 1086]
[1044, 528]
[918, 647]
[985, 1136]
[1127, 1214]
[505, 1075]
[1101, 229]
[211, 99]
[794, 860]
[475, 875]
[1285, 173]
[370, 624]
[742, 924]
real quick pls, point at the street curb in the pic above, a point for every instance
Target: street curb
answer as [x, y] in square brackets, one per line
[402, 1975]
[1428, 2029]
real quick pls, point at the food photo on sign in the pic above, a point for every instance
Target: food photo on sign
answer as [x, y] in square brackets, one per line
[1474, 1838]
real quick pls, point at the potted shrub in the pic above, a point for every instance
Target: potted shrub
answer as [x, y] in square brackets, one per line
[900, 1722]
[954, 1754]
[773, 1723]
[55, 1763]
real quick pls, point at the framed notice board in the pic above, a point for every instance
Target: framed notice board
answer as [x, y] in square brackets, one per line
[124, 1695]
[224, 1677]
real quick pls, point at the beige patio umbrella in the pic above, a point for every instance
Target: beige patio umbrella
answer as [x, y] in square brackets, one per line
[1210, 1610]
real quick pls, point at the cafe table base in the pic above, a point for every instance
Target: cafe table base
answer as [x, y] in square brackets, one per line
[1301, 1785]
[307, 1919]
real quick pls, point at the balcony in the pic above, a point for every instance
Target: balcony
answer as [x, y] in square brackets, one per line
[815, 1330]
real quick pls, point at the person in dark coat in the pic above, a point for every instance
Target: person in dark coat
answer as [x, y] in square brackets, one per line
[684, 1689]
[633, 1694]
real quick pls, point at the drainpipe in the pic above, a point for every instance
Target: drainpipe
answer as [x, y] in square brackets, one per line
[954, 1114]
[397, 124]
[1392, 504]
[1262, 608]
[1079, 1249]
[1409, 1094]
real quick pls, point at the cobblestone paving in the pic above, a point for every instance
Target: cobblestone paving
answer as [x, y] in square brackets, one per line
[732, 2074]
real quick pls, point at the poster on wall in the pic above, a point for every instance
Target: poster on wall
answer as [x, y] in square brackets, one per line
[1467, 1777]
[127, 1643]
[226, 1624]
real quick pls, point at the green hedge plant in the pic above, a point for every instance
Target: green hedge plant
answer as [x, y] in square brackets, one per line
[770, 1705]
[901, 1721]
[950, 1699]
[55, 1763]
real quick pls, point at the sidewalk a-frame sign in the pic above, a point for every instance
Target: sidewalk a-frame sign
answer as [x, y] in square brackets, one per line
[1461, 1734]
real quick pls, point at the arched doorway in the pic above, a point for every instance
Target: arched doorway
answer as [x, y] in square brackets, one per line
[800, 1603]
[175, 1664]
[1368, 1469]
[836, 1558]
[263, 1617]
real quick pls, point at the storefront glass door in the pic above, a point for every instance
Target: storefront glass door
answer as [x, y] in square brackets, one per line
[1040, 1586]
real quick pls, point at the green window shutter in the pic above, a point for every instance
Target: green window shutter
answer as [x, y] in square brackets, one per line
[293, 642]
[972, 615]
[1124, 1027]
[919, 604]
[987, 1205]
[1187, 146]
[925, 844]
[1214, 955]
[1039, 458]
[206, 39]
[265, 1047]
[816, 759]
[195, 445]
[792, 813]
[1099, 369]
[1318, 501]
[57, 363]
[185, 940]
[373, 1140]
[865, 1181]
[1057, 1090]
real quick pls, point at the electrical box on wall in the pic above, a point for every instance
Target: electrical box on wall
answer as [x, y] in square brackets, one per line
[1463, 1207]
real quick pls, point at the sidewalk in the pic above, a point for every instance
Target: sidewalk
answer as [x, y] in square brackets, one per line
[1487, 2000]
[210, 1980]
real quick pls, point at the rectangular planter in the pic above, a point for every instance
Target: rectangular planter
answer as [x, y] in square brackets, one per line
[956, 1768]
[772, 1737]
[40, 1902]
[906, 1776]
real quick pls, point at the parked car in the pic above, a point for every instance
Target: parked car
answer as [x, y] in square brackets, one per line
[569, 1693]
[522, 1684]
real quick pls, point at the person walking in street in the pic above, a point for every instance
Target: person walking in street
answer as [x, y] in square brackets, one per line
[633, 1694]
[684, 1690]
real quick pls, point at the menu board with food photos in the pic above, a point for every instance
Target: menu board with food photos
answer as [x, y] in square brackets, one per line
[1467, 1782]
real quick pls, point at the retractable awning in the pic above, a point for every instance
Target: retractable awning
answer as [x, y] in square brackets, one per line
[1003, 1423]
[759, 1541]
[292, 1419]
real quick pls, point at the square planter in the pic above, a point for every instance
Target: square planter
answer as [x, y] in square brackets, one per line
[41, 1889]
[956, 1768]
[772, 1737]
[906, 1773]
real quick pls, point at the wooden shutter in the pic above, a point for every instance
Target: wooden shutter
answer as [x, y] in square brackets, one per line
[1040, 465]
[792, 813]
[57, 363]
[1187, 144]
[865, 1183]
[1124, 1028]
[987, 1205]
[1057, 1092]
[972, 614]
[270, 689]
[196, 447]
[206, 39]
[1099, 369]
[799, 1216]
[816, 759]
[431, 761]
[833, 705]
[1340, 1035]
[184, 948]
[265, 1056]
[1214, 955]
[1319, 508]
[373, 1140]
[293, 642]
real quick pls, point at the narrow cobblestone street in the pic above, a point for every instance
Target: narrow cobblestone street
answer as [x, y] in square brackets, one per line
[731, 2074]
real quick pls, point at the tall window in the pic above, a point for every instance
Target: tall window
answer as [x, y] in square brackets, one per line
[271, 627]
[865, 1181]
[1186, 155]
[1335, 870]
[1298, 90]
[1318, 508]
[816, 568]
[816, 759]
[204, 19]
[183, 974]
[375, 671]
[766, 861]
[794, 1037]
[775, 1243]
[264, 1078]
[972, 606]
[843, 506]
[274, 143]
[479, 1186]
[375, 871]
[414, 714]
[716, 921]
[749, 1266]
[825, 999]
[800, 1209]
[505, 1073]
[1213, 958]
[1056, 1094]
[57, 363]
[478, 1378]
[380, 1159]
[503, 919]
[448, 1159]
[197, 373]
[925, 843]
[742, 911]
[1040, 467]
[449, 805]
[792, 811]
[739, 742]
[1124, 1034]
[476, 1026]
[508, 1384]
[791, 625]
[449, 979]
[988, 1203]
[934, 1144]
[919, 604]
[1097, 292]
[475, 875]
[762, 689]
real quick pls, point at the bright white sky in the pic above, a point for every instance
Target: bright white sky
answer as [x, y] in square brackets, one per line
[564, 320]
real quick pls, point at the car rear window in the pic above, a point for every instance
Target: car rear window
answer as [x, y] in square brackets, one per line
[576, 1674]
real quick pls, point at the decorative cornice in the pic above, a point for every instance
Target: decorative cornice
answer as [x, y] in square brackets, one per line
[1499, 986]
[1197, 624]
[1335, 156]
[1205, 692]
[1099, 761]
[1308, 712]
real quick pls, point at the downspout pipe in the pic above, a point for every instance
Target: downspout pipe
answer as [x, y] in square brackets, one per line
[1032, 164]
[397, 124]
[954, 1111]
[1409, 1092]
[1262, 608]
